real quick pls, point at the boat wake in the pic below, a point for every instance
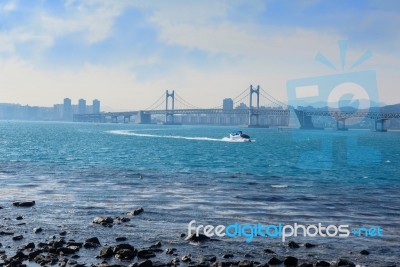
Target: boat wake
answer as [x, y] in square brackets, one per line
[132, 133]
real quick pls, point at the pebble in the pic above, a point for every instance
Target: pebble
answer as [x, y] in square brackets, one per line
[120, 239]
[17, 237]
[293, 244]
[322, 264]
[344, 262]
[364, 252]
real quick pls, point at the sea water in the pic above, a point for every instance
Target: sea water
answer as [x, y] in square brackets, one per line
[76, 172]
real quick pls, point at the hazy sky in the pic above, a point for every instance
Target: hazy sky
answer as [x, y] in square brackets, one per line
[127, 53]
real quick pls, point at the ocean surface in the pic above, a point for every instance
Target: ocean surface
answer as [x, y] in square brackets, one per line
[76, 172]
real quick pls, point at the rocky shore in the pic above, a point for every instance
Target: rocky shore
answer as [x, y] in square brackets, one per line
[63, 250]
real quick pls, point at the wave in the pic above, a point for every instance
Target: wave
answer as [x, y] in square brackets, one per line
[132, 133]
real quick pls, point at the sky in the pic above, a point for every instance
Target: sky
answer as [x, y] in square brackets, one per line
[126, 53]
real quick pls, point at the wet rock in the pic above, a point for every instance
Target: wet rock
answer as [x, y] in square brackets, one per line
[200, 238]
[226, 264]
[65, 251]
[245, 263]
[344, 262]
[293, 244]
[30, 245]
[105, 221]
[145, 263]
[19, 218]
[34, 254]
[322, 264]
[125, 254]
[306, 265]
[18, 237]
[274, 261]
[186, 258]
[123, 246]
[146, 253]
[123, 219]
[268, 251]
[63, 233]
[76, 244]
[121, 239]
[106, 252]
[227, 256]
[263, 265]
[93, 240]
[182, 235]
[290, 261]
[136, 212]
[175, 261]
[57, 244]
[309, 245]
[364, 252]
[5, 233]
[210, 258]
[156, 245]
[24, 203]
[170, 251]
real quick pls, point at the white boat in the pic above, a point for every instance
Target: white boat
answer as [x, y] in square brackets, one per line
[239, 136]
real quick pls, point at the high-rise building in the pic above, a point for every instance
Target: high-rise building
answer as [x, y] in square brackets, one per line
[96, 106]
[227, 104]
[67, 109]
[82, 106]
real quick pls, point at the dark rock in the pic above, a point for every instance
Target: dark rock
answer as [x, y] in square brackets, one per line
[210, 258]
[309, 245]
[274, 261]
[76, 244]
[322, 264]
[263, 265]
[19, 218]
[136, 212]
[268, 251]
[63, 233]
[92, 242]
[245, 263]
[248, 256]
[156, 245]
[57, 244]
[146, 253]
[227, 256]
[364, 252]
[24, 203]
[133, 264]
[106, 252]
[200, 238]
[17, 237]
[103, 220]
[293, 244]
[170, 251]
[306, 265]
[5, 233]
[123, 246]
[290, 261]
[121, 239]
[183, 235]
[175, 261]
[125, 254]
[30, 245]
[66, 251]
[74, 248]
[146, 263]
[343, 262]
[186, 258]
[123, 219]
[34, 254]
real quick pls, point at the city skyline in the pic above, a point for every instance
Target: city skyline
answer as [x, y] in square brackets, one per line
[127, 53]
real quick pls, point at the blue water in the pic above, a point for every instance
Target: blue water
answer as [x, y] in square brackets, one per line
[76, 172]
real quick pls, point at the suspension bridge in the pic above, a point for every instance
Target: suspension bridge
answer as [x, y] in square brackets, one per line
[254, 107]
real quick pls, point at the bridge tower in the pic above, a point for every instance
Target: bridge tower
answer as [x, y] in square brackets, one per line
[251, 108]
[169, 113]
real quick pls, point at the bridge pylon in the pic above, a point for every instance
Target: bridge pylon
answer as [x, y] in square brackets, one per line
[252, 114]
[169, 113]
